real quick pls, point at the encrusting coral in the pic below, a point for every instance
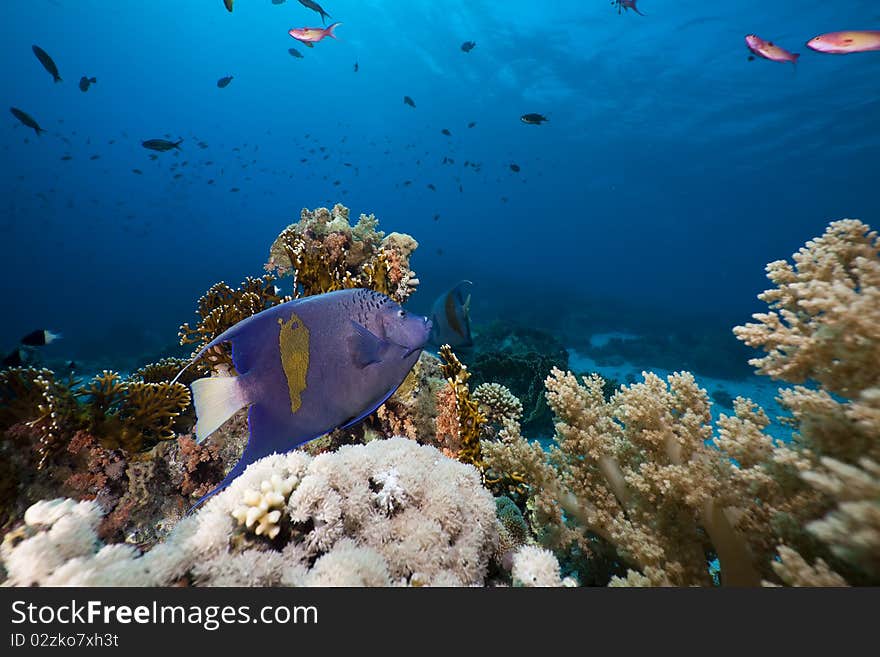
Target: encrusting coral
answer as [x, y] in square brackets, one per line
[390, 512]
[324, 252]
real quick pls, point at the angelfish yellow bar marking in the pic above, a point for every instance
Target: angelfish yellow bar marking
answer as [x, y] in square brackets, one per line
[293, 340]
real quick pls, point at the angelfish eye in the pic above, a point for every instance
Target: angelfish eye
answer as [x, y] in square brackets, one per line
[401, 313]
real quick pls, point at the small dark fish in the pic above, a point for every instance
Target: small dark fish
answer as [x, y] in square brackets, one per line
[295, 53]
[235, 189]
[84, 83]
[178, 176]
[72, 366]
[407, 183]
[66, 157]
[224, 81]
[436, 217]
[409, 101]
[47, 62]
[18, 357]
[356, 67]
[514, 167]
[228, 4]
[533, 119]
[161, 144]
[472, 124]
[446, 132]
[314, 6]
[153, 156]
[431, 187]
[95, 157]
[39, 338]
[137, 171]
[467, 46]
[277, 2]
[26, 119]
[211, 181]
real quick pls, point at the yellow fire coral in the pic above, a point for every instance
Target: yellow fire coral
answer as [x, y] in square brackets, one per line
[470, 420]
[222, 307]
[132, 414]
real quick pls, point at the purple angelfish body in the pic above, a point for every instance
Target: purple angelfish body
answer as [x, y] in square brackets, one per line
[307, 367]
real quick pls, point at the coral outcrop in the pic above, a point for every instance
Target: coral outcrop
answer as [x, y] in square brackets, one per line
[390, 512]
[324, 252]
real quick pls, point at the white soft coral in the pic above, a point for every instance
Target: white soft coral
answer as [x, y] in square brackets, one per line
[391, 495]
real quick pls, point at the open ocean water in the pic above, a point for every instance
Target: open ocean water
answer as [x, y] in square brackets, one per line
[669, 171]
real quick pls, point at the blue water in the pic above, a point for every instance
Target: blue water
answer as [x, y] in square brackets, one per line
[670, 172]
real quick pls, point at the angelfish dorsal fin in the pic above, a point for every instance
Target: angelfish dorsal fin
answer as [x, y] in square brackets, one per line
[366, 348]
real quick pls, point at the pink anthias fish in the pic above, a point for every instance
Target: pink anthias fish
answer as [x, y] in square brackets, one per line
[843, 43]
[769, 50]
[310, 35]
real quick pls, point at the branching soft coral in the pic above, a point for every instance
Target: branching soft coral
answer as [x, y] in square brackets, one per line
[635, 471]
[824, 328]
[824, 319]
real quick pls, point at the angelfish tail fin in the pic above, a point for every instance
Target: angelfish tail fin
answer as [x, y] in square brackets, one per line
[216, 399]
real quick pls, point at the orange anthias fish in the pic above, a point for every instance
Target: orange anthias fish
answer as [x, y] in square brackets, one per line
[843, 43]
[769, 50]
[309, 35]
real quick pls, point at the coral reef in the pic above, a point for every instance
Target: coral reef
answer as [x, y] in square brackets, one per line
[391, 512]
[324, 252]
[519, 359]
[640, 487]
[639, 472]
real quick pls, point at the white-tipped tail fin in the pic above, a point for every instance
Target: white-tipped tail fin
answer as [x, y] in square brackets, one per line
[50, 337]
[216, 399]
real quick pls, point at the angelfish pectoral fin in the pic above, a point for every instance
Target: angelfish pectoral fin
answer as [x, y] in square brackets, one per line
[216, 399]
[365, 347]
